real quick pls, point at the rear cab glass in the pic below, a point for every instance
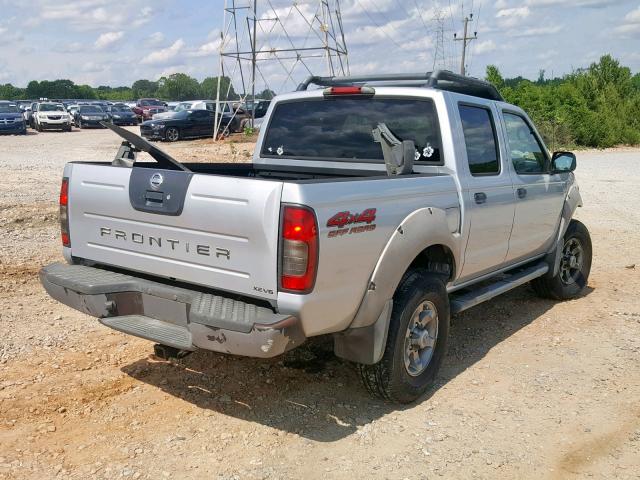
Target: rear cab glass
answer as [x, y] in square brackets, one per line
[340, 129]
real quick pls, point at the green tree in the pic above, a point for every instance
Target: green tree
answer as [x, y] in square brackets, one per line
[494, 76]
[209, 88]
[144, 89]
[266, 94]
[9, 92]
[178, 86]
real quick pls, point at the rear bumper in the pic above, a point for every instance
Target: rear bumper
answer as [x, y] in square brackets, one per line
[174, 316]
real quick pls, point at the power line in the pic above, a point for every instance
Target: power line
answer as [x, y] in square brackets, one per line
[379, 26]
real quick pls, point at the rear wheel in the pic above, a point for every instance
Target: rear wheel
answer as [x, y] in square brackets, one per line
[575, 266]
[172, 134]
[416, 342]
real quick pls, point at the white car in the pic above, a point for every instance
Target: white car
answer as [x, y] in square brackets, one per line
[51, 116]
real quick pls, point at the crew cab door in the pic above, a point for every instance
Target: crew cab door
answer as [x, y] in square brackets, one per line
[538, 195]
[486, 188]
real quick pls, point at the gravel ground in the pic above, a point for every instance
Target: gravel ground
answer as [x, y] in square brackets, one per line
[530, 388]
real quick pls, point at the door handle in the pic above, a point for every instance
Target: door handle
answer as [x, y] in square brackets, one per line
[480, 197]
[522, 192]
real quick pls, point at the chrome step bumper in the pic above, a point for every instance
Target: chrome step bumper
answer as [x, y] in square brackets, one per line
[175, 316]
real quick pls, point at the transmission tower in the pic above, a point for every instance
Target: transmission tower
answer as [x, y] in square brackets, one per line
[439, 56]
[273, 44]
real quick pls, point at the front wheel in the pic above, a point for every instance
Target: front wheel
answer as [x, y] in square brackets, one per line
[416, 342]
[172, 134]
[574, 269]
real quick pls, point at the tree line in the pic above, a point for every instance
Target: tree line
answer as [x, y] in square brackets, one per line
[598, 106]
[177, 86]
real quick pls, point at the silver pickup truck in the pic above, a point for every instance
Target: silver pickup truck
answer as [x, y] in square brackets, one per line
[374, 209]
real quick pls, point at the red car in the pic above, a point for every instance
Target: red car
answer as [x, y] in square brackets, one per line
[146, 108]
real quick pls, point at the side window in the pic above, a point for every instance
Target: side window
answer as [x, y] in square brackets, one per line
[480, 140]
[527, 154]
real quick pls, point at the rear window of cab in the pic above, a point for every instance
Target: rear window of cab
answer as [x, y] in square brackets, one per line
[341, 129]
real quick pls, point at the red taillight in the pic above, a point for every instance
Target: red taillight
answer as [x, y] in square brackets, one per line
[299, 251]
[64, 192]
[349, 90]
[64, 212]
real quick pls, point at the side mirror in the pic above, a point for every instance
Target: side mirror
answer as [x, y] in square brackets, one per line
[563, 162]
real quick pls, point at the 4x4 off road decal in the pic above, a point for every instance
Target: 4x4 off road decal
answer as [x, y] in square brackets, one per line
[344, 222]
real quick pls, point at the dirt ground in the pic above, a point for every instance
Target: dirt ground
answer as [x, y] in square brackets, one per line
[530, 388]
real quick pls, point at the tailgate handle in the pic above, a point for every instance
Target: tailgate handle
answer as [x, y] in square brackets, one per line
[154, 199]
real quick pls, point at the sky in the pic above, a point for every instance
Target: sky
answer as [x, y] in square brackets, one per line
[111, 42]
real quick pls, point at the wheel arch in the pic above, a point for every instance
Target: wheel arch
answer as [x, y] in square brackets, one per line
[572, 201]
[423, 240]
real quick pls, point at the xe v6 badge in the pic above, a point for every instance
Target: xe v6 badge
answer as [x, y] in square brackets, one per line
[156, 180]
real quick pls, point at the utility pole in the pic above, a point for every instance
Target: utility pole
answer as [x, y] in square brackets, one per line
[465, 40]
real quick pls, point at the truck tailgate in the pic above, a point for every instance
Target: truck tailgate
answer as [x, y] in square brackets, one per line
[225, 236]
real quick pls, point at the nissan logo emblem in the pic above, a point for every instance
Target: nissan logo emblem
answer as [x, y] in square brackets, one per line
[156, 180]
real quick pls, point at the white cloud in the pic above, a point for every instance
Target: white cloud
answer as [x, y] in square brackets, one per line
[108, 39]
[571, 3]
[631, 24]
[535, 31]
[73, 47]
[484, 47]
[208, 49]
[633, 16]
[164, 55]
[143, 17]
[509, 17]
[155, 39]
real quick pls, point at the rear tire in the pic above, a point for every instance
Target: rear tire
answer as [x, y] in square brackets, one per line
[575, 266]
[416, 342]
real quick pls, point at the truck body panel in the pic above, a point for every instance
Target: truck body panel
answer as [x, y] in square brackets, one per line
[226, 236]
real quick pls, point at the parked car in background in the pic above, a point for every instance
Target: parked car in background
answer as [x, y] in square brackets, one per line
[171, 106]
[146, 108]
[72, 109]
[121, 114]
[186, 124]
[190, 105]
[11, 119]
[90, 116]
[51, 116]
[28, 114]
[260, 107]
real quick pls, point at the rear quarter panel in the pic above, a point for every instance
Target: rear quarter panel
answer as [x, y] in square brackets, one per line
[346, 262]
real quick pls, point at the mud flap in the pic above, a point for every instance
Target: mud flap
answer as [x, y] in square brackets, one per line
[365, 344]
